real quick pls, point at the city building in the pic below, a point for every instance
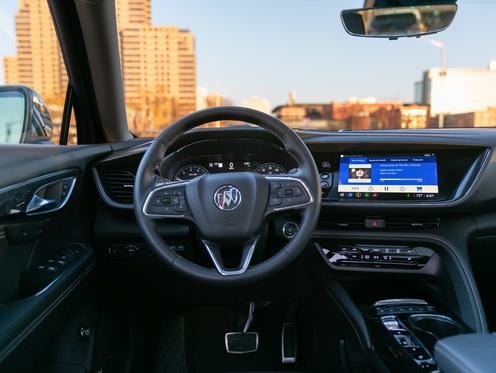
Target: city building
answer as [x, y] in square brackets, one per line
[159, 68]
[158, 65]
[412, 116]
[365, 114]
[133, 12]
[303, 115]
[257, 103]
[298, 112]
[457, 90]
[484, 118]
[38, 62]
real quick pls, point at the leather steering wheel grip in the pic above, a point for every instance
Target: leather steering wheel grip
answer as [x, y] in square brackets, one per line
[307, 172]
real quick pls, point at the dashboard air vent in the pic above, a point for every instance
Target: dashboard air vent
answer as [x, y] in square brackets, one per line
[408, 223]
[118, 185]
[346, 223]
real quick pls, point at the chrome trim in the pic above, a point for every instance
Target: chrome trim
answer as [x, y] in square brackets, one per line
[245, 261]
[241, 352]
[31, 210]
[237, 203]
[284, 229]
[284, 358]
[289, 178]
[392, 302]
[170, 185]
[101, 191]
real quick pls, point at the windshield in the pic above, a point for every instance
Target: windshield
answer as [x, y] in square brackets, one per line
[289, 58]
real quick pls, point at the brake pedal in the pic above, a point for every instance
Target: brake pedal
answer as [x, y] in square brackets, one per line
[244, 342]
[289, 342]
[241, 343]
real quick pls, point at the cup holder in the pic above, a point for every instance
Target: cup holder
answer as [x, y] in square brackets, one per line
[437, 326]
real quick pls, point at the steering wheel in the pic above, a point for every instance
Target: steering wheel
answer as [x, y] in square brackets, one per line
[228, 209]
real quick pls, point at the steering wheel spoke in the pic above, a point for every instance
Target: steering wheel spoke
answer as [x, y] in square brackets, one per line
[215, 254]
[287, 193]
[168, 201]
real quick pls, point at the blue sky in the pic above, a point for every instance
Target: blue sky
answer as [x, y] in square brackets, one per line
[271, 47]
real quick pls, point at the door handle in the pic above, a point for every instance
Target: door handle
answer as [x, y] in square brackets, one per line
[51, 197]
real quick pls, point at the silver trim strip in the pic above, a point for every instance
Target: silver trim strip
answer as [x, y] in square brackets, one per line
[393, 302]
[241, 352]
[245, 261]
[284, 358]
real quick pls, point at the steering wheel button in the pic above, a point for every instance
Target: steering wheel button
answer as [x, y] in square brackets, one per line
[275, 201]
[163, 193]
[294, 201]
[288, 192]
[178, 193]
[289, 184]
[161, 210]
[297, 191]
[181, 207]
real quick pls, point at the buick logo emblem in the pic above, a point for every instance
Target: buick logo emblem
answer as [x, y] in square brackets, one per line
[227, 198]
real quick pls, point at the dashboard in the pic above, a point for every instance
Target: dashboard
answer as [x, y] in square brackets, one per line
[393, 202]
[370, 173]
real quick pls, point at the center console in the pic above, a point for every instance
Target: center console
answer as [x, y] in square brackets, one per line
[405, 332]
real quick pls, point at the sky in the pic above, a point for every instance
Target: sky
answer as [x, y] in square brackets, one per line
[269, 48]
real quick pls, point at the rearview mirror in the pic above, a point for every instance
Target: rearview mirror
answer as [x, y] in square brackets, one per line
[397, 22]
[24, 117]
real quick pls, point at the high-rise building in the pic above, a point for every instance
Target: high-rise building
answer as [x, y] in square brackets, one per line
[38, 63]
[159, 67]
[133, 12]
[158, 62]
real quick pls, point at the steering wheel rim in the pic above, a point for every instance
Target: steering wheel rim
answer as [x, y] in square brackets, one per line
[307, 174]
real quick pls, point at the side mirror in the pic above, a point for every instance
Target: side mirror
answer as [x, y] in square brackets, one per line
[398, 22]
[24, 117]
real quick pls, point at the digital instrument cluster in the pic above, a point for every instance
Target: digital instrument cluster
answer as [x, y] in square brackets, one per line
[193, 170]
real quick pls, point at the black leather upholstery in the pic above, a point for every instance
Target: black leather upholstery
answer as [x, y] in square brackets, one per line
[467, 353]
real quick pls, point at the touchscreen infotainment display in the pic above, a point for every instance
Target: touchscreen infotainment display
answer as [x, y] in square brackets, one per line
[393, 177]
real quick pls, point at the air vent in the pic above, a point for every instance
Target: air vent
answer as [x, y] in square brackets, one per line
[348, 223]
[419, 223]
[118, 185]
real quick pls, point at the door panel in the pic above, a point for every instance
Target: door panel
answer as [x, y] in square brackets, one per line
[46, 259]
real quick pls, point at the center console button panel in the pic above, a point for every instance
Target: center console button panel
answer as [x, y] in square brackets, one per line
[377, 256]
[406, 330]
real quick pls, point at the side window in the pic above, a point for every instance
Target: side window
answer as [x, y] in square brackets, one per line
[34, 80]
[12, 109]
